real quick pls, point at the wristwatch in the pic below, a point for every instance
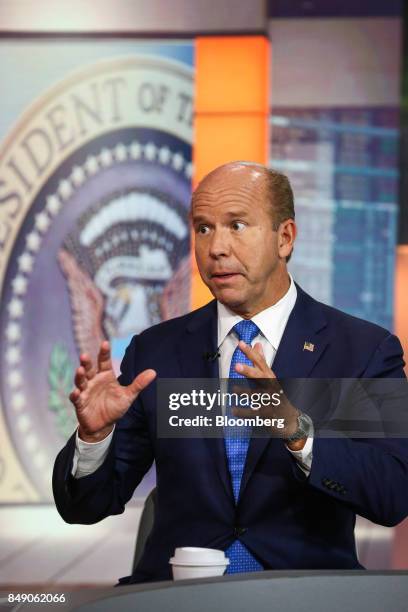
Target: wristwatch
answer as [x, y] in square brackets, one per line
[305, 427]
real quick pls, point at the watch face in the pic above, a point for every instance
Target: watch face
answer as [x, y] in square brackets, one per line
[304, 427]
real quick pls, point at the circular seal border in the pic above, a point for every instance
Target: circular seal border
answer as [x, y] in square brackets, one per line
[121, 153]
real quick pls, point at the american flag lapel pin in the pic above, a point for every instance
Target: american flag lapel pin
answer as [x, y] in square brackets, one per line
[308, 346]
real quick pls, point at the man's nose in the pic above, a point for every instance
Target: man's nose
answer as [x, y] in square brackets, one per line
[220, 244]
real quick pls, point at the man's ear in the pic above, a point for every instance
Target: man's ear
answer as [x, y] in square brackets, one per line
[287, 233]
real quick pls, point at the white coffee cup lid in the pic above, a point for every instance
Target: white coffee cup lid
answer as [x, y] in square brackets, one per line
[193, 555]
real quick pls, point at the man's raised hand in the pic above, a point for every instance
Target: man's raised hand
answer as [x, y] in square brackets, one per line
[99, 399]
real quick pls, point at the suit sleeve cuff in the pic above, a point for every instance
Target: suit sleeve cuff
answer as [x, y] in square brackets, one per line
[304, 457]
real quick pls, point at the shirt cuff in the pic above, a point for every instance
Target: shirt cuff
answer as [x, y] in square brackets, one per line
[89, 456]
[304, 456]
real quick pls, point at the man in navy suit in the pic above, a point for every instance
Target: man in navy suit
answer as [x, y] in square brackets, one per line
[270, 503]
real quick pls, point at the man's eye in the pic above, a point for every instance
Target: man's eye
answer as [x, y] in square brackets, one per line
[238, 226]
[203, 229]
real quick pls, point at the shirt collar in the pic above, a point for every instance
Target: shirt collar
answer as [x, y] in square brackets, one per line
[271, 321]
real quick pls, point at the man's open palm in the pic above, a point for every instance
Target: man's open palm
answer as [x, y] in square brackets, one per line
[99, 399]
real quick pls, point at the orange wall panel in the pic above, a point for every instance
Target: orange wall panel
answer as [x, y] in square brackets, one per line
[231, 111]
[400, 546]
[224, 138]
[232, 74]
[401, 296]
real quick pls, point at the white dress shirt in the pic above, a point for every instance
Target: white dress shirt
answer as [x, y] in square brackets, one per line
[89, 456]
[271, 322]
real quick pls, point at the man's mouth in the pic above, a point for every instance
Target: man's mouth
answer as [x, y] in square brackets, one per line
[224, 276]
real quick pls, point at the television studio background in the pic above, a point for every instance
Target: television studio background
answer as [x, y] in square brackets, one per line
[111, 112]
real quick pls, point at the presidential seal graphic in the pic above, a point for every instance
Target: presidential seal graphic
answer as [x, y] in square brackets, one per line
[94, 241]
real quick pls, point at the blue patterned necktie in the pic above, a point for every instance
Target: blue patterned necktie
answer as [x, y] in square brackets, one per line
[236, 447]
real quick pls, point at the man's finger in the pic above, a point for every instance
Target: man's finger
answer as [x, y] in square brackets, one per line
[80, 379]
[258, 348]
[252, 354]
[141, 381]
[241, 389]
[74, 396]
[257, 356]
[248, 371]
[246, 413]
[261, 386]
[87, 364]
[104, 357]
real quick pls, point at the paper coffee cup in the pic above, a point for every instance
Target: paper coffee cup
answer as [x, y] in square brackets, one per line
[194, 562]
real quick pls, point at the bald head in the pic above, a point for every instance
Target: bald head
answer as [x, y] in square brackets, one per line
[267, 185]
[236, 170]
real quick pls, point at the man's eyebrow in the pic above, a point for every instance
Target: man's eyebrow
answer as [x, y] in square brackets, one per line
[239, 212]
[198, 218]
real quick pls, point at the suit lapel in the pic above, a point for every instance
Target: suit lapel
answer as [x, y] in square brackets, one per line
[306, 324]
[303, 341]
[198, 342]
[194, 348]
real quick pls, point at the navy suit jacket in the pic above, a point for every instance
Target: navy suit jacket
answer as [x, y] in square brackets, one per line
[287, 520]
